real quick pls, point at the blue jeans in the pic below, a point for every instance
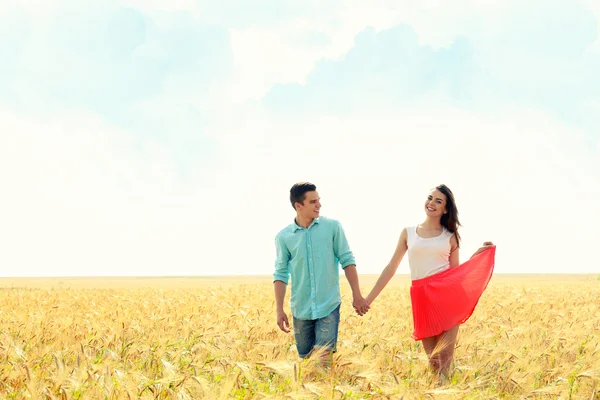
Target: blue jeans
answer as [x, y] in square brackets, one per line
[317, 333]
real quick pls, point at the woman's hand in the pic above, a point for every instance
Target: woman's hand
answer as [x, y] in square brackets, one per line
[486, 245]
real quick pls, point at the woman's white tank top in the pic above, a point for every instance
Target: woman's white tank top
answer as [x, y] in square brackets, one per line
[428, 256]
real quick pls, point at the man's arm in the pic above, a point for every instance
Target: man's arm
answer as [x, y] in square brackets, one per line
[358, 302]
[342, 251]
[282, 319]
[280, 280]
[341, 248]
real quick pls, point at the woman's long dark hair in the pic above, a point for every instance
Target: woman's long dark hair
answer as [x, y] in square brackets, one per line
[450, 219]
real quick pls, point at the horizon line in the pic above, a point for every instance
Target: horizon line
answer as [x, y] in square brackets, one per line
[252, 275]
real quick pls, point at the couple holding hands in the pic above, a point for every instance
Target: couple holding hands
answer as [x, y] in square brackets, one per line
[443, 292]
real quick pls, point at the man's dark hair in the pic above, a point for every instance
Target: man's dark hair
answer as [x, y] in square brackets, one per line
[298, 192]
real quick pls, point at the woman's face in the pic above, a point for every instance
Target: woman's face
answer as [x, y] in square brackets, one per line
[435, 205]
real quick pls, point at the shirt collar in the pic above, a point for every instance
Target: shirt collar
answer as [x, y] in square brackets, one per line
[295, 226]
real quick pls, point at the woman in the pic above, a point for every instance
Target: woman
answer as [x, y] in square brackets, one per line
[443, 292]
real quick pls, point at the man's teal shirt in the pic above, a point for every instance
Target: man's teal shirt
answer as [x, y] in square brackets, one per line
[311, 257]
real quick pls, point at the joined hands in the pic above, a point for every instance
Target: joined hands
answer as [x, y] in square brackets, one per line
[360, 304]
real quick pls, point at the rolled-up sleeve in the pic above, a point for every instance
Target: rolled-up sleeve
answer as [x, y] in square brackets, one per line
[282, 258]
[342, 248]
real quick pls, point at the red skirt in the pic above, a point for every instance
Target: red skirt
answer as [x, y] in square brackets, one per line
[447, 299]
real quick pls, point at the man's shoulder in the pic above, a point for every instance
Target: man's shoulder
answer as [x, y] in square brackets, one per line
[329, 221]
[288, 230]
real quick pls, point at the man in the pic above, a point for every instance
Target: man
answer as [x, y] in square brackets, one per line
[309, 250]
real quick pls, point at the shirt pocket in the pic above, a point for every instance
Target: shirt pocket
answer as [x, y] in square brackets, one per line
[297, 250]
[324, 250]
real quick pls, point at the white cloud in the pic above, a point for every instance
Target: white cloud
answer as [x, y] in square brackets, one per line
[592, 6]
[265, 54]
[272, 54]
[158, 6]
[89, 198]
[514, 175]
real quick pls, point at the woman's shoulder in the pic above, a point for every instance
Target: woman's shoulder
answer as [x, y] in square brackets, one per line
[448, 233]
[409, 231]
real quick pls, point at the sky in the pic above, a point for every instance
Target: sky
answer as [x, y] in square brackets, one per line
[160, 138]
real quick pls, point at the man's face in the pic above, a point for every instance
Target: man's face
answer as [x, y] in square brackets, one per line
[311, 206]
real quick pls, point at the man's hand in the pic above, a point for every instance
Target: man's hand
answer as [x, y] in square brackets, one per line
[483, 248]
[282, 321]
[360, 305]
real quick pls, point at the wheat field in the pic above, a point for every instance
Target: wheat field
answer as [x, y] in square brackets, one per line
[216, 338]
